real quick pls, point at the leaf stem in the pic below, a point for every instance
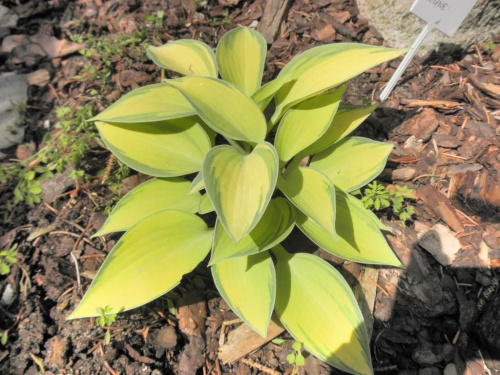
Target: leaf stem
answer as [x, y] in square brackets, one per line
[235, 144]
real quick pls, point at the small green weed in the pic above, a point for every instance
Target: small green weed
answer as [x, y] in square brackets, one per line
[377, 197]
[7, 259]
[105, 320]
[296, 359]
[489, 46]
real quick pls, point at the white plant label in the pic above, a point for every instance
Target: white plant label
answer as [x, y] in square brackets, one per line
[444, 15]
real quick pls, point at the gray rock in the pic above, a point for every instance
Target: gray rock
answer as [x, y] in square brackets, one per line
[8, 296]
[52, 187]
[13, 91]
[8, 19]
[450, 369]
[440, 243]
[399, 27]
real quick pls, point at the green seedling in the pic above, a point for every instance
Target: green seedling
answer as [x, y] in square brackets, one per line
[377, 197]
[201, 133]
[105, 320]
[296, 359]
[7, 259]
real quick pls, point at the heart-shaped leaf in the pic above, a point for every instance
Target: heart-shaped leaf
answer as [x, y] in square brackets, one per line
[276, 224]
[241, 54]
[162, 149]
[334, 330]
[313, 193]
[223, 107]
[134, 271]
[187, 57]
[151, 103]
[240, 185]
[248, 285]
[360, 239]
[352, 162]
[152, 196]
[305, 123]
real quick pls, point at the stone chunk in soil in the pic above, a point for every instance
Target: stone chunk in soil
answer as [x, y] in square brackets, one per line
[13, 91]
[421, 126]
[41, 77]
[52, 187]
[8, 20]
[404, 174]
[440, 243]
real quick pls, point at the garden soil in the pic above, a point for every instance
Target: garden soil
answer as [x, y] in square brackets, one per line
[439, 315]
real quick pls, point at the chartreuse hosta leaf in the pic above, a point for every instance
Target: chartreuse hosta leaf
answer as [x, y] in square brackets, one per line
[345, 121]
[352, 162]
[240, 185]
[318, 308]
[197, 184]
[241, 54]
[149, 197]
[276, 224]
[360, 239]
[147, 104]
[313, 193]
[324, 67]
[162, 149]
[134, 272]
[186, 57]
[248, 285]
[223, 107]
[205, 206]
[305, 123]
[266, 93]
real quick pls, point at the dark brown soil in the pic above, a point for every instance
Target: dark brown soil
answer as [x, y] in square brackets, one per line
[442, 119]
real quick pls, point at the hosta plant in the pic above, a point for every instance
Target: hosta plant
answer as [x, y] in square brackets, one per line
[206, 132]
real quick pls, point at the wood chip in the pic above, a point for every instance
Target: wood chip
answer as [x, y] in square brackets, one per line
[244, 340]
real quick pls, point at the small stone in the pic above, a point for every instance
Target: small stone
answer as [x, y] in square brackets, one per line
[25, 151]
[13, 91]
[8, 18]
[52, 187]
[429, 371]
[440, 243]
[421, 126]
[424, 356]
[404, 174]
[40, 78]
[450, 369]
[8, 296]
[166, 337]
[419, 226]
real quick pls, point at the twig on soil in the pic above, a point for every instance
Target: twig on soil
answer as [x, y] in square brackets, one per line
[38, 362]
[467, 217]
[106, 364]
[259, 367]
[56, 232]
[81, 237]
[77, 272]
[455, 339]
